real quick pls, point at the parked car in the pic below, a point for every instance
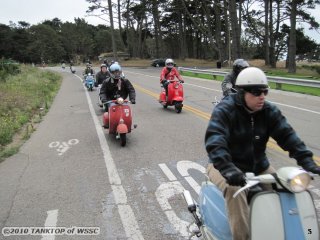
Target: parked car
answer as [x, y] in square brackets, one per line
[159, 62]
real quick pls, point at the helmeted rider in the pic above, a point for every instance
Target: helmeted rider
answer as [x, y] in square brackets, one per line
[169, 72]
[228, 83]
[236, 141]
[88, 70]
[102, 75]
[115, 86]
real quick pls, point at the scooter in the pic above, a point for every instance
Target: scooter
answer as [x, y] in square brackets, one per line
[118, 119]
[175, 95]
[287, 212]
[89, 82]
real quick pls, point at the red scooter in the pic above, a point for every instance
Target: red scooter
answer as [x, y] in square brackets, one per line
[175, 95]
[118, 119]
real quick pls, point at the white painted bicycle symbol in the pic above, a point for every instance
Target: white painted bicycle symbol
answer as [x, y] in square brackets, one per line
[63, 146]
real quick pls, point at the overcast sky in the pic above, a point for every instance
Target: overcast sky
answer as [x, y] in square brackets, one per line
[36, 11]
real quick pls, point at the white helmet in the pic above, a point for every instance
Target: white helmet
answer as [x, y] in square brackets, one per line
[115, 71]
[252, 77]
[169, 63]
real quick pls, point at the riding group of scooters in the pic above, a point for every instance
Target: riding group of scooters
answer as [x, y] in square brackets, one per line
[287, 212]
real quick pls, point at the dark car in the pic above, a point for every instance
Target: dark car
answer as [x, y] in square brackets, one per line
[158, 62]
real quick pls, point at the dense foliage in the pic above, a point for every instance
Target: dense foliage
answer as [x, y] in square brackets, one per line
[210, 29]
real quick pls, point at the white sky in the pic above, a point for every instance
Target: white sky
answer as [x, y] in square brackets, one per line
[36, 11]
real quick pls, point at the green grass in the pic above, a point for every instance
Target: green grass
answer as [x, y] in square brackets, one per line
[23, 96]
[284, 87]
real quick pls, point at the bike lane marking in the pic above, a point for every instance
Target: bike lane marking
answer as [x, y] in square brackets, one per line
[51, 221]
[126, 213]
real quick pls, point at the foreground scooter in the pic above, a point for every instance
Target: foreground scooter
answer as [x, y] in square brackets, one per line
[175, 95]
[286, 213]
[118, 119]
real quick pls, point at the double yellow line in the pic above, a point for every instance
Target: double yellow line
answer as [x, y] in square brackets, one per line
[271, 144]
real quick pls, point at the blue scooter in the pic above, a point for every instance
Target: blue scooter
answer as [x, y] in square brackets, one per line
[89, 81]
[287, 212]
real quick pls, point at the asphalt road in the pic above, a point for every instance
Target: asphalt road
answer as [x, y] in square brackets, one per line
[71, 173]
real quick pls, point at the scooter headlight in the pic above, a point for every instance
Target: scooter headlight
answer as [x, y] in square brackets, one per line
[120, 100]
[294, 179]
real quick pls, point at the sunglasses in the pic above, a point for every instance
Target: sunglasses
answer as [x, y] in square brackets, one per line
[258, 91]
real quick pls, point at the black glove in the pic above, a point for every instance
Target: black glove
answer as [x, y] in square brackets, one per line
[181, 81]
[133, 101]
[312, 167]
[235, 178]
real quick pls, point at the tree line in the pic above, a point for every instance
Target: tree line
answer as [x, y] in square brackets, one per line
[205, 29]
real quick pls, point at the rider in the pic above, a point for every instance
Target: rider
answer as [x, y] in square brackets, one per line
[236, 140]
[102, 75]
[230, 78]
[88, 69]
[115, 86]
[169, 72]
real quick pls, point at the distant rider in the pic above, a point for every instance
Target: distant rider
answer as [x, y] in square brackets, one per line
[169, 72]
[102, 75]
[88, 70]
[228, 84]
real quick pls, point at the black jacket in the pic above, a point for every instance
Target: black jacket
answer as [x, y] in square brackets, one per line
[100, 77]
[109, 90]
[236, 140]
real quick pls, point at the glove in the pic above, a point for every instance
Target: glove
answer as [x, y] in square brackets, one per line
[181, 81]
[133, 101]
[312, 167]
[235, 178]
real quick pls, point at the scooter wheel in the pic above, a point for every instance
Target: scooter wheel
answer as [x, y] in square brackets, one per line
[165, 106]
[123, 139]
[178, 107]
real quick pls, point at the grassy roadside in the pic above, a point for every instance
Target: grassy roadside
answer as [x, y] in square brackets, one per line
[25, 99]
[284, 87]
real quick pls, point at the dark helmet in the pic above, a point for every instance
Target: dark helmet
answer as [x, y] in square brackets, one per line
[239, 65]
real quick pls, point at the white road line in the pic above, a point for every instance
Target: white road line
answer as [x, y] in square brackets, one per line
[51, 221]
[211, 89]
[167, 172]
[128, 219]
[298, 108]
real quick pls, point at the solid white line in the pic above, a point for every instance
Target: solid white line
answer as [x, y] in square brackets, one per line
[51, 221]
[211, 89]
[128, 219]
[302, 109]
[167, 172]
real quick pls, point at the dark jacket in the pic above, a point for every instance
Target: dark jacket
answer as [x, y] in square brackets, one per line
[100, 77]
[230, 78]
[236, 139]
[109, 90]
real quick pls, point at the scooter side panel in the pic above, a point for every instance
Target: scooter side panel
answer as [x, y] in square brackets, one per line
[308, 215]
[266, 221]
[213, 211]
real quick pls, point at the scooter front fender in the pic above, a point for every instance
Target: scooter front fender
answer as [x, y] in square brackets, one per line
[122, 128]
[177, 99]
[213, 211]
